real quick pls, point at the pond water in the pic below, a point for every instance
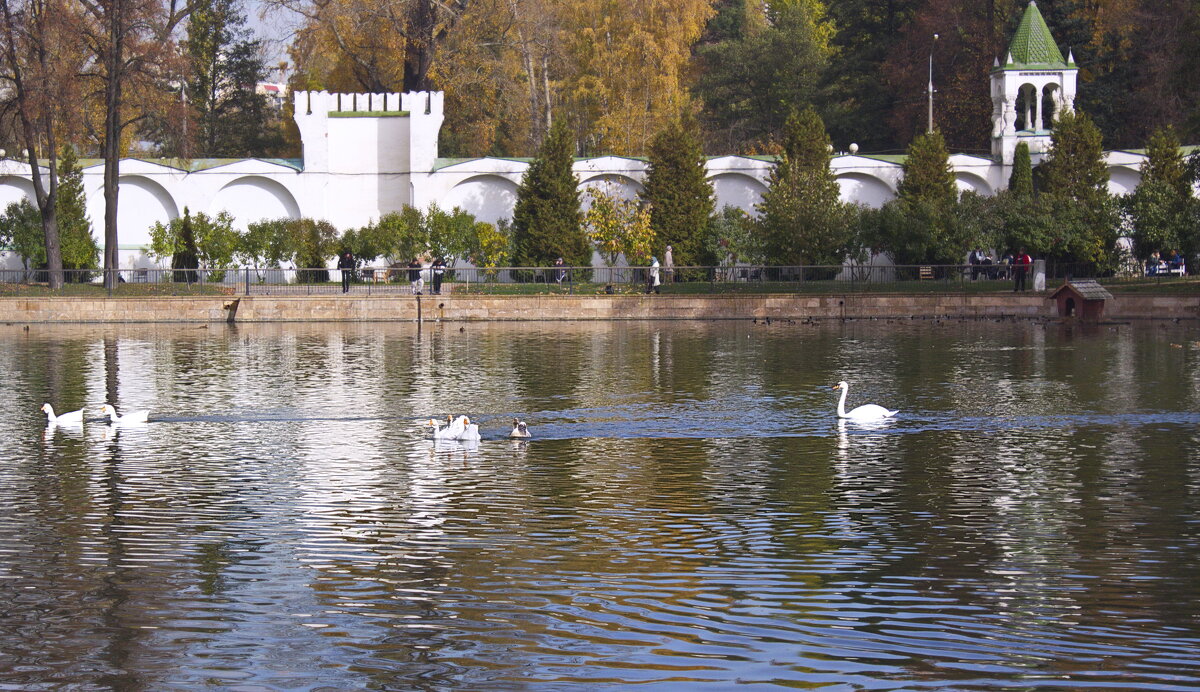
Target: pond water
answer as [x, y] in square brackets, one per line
[688, 513]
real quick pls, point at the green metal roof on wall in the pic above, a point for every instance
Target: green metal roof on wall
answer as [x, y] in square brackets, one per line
[1032, 45]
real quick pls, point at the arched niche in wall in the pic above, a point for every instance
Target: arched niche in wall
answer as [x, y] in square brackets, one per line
[864, 189]
[1122, 180]
[737, 190]
[14, 189]
[255, 198]
[613, 184]
[488, 197]
[141, 203]
[969, 182]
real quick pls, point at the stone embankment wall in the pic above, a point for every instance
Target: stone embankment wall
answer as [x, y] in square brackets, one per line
[658, 307]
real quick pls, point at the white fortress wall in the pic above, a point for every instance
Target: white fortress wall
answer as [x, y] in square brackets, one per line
[365, 155]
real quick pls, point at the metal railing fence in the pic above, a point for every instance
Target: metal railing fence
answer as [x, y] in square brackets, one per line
[400, 280]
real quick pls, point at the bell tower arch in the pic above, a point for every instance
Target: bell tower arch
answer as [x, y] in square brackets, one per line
[1030, 88]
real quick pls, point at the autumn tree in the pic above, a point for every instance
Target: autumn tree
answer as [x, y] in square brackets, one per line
[32, 32]
[547, 223]
[390, 45]
[618, 226]
[803, 219]
[678, 192]
[626, 68]
[134, 57]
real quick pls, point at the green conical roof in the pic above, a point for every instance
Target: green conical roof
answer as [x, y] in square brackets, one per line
[1033, 45]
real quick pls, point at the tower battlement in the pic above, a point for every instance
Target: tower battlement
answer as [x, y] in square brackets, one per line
[389, 133]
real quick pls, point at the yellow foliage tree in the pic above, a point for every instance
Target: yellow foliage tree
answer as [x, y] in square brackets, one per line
[626, 67]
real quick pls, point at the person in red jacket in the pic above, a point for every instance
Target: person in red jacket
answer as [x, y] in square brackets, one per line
[1020, 267]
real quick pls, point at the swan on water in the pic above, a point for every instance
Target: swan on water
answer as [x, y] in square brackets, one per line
[865, 412]
[520, 429]
[71, 418]
[132, 417]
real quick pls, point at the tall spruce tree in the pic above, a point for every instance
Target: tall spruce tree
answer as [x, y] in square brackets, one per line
[1020, 182]
[803, 218]
[1074, 179]
[226, 64]
[79, 249]
[1162, 210]
[547, 221]
[678, 192]
[928, 177]
[1075, 167]
[927, 229]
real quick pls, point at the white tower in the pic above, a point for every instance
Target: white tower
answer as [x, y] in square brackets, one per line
[1030, 88]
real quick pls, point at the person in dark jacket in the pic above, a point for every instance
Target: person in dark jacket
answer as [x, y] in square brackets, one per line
[346, 265]
[438, 269]
[414, 276]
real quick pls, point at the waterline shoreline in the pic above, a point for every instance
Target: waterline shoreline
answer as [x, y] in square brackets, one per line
[850, 306]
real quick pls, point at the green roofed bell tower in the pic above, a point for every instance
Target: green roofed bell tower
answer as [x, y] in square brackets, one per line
[1029, 88]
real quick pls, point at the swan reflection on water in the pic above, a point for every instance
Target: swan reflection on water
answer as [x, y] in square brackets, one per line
[849, 428]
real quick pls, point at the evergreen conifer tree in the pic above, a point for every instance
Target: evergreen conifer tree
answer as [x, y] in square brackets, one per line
[678, 192]
[185, 259]
[1083, 215]
[803, 218]
[1075, 167]
[1162, 210]
[547, 221]
[928, 178]
[1020, 183]
[79, 248]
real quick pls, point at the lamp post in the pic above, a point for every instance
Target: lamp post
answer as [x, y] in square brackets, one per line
[930, 128]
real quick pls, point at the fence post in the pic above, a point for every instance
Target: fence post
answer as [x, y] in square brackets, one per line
[247, 277]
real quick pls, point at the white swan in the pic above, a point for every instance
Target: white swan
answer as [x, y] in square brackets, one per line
[133, 417]
[520, 430]
[866, 412]
[70, 418]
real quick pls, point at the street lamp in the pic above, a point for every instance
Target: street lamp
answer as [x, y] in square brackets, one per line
[930, 129]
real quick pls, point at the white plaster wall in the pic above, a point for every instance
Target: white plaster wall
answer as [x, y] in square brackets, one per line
[488, 197]
[254, 198]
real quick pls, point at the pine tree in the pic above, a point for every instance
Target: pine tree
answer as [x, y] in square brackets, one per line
[1162, 209]
[1075, 168]
[928, 177]
[1075, 190]
[1020, 183]
[803, 218]
[926, 228]
[547, 222]
[678, 191]
[225, 65]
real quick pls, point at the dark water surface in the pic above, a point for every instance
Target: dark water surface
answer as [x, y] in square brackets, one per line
[688, 514]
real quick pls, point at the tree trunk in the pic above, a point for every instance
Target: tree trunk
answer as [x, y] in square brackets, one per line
[112, 138]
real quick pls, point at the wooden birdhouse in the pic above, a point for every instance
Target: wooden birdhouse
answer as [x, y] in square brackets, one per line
[1083, 299]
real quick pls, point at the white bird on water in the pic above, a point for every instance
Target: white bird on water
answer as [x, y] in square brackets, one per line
[866, 412]
[460, 428]
[70, 418]
[520, 429]
[133, 417]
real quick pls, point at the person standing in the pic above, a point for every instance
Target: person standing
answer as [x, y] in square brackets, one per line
[560, 270]
[1020, 267]
[346, 265]
[438, 269]
[652, 280]
[414, 276]
[669, 265]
